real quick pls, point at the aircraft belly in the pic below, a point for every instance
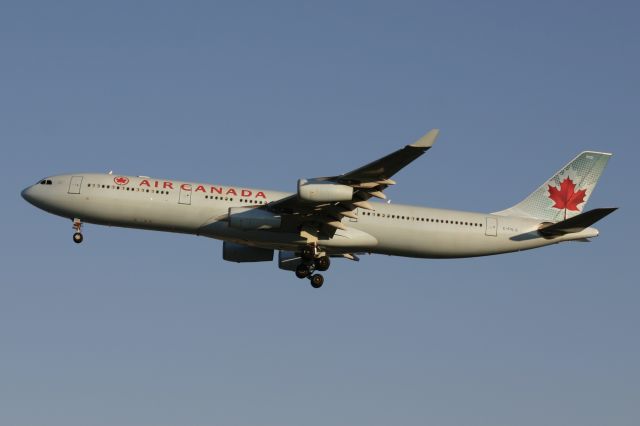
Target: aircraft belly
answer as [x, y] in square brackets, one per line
[158, 214]
[342, 241]
[428, 242]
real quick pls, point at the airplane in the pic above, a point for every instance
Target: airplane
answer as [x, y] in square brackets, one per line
[329, 217]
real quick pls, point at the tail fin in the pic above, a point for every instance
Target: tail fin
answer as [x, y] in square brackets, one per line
[566, 193]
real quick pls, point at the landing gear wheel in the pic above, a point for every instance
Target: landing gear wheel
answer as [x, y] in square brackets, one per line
[302, 271]
[316, 280]
[308, 253]
[323, 263]
[77, 238]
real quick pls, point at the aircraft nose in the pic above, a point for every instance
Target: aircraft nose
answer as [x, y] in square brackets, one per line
[27, 194]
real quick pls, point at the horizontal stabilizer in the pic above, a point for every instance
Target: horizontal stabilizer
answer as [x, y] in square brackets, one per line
[576, 223]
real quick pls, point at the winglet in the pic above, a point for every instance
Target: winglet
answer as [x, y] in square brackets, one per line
[427, 140]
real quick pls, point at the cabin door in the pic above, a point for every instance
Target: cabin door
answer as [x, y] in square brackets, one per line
[185, 195]
[491, 228]
[75, 184]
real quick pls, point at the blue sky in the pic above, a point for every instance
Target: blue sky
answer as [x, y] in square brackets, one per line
[144, 328]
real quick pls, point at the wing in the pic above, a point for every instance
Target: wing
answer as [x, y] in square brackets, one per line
[365, 182]
[380, 171]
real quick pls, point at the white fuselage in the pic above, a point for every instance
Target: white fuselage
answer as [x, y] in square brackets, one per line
[202, 209]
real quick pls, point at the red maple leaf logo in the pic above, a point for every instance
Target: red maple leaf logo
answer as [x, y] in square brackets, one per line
[565, 197]
[120, 180]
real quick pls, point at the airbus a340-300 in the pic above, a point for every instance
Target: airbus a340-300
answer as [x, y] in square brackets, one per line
[329, 217]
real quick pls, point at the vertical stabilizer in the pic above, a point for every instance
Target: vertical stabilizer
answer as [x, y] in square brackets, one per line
[566, 194]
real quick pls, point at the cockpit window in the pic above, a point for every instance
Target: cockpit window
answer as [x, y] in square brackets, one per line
[46, 182]
[49, 182]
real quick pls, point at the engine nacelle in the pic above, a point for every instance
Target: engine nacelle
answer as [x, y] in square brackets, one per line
[240, 253]
[323, 192]
[288, 260]
[252, 218]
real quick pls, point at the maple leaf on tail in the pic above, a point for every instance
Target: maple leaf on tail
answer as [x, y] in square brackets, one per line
[565, 197]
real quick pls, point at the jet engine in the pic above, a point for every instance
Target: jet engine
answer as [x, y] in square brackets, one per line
[240, 253]
[323, 192]
[252, 218]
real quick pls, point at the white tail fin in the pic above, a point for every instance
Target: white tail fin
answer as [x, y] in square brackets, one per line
[566, 193]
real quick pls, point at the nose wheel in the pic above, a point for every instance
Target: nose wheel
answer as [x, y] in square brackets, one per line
[77, 236]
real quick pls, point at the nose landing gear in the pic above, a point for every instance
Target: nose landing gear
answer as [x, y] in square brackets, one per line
[77, 236]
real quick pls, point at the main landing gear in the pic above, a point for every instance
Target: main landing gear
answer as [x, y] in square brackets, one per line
[77, 236]
[316, 280]
[312, 261]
